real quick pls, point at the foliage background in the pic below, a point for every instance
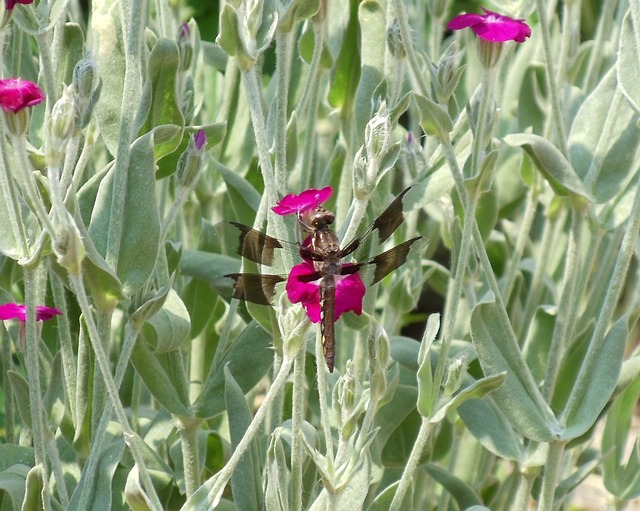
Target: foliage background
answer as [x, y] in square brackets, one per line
[154, 391]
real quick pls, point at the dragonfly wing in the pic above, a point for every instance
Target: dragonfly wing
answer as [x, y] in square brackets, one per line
[254, 287]
[386, 224]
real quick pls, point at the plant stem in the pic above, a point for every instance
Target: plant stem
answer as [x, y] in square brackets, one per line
[561, 331]
[297, 420]
[523, 238]
[10, 198]
[27, 181]
[405, 33]
[523, 494]
[479, 138]
[131, 439]
[38, 423]
[412, 463]
[321, 372]
[218, 482]
[552, 86]
[188, 429]
[537, 287]
[284, 45]
[550, 476]
[310, 101]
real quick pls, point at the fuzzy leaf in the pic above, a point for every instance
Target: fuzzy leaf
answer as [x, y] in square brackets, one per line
[605, 159]
[519, 399]
[629, 56]
[249, 358]
[246, 479]
[435, 121]
[139, 217]
[549, 161]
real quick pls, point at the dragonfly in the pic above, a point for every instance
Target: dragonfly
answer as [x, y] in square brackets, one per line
[324, 262]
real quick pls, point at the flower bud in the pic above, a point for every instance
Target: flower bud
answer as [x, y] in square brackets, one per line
[394, 41]
[185, 46]
[87, 88]
[61, 125]
[190, 162]
[68, 247]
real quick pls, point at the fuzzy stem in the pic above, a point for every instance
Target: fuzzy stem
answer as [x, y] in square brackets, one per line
[188, 429]
[297, 419]
[523, 238]
[523, 493]
[486, 100]
[131, 439]
[220, 480]
[407, 41]
[284, 45]
[550, 476]
[310, 101]
[412, 463]
[552, 85]
[38, 424]
[561, 331]
[10, 197]
[27, 182]
[321, 372]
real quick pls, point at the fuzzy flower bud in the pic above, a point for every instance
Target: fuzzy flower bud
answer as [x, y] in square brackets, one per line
[394, 41]
[190, 162]
[61, 125]
[185, 45]
[347, 403]
[68, 247]
[87, 88]
[375, 158]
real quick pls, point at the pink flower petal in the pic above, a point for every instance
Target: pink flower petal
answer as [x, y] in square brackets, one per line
[492, 27]
[10, 4]
[304, 201]
[307, 293]
[12, 311]
[465, 21]
[16, 94]
[350, 291]
[44, 313]
[19, 312]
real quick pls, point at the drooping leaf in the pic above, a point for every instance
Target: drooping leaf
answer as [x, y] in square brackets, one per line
[554, 167]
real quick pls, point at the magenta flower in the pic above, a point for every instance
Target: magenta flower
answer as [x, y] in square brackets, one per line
[296, 204]
[492, 27]
[350, 291]
[17, 311]
[200, 139]
[16, 94]
[10, 4]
